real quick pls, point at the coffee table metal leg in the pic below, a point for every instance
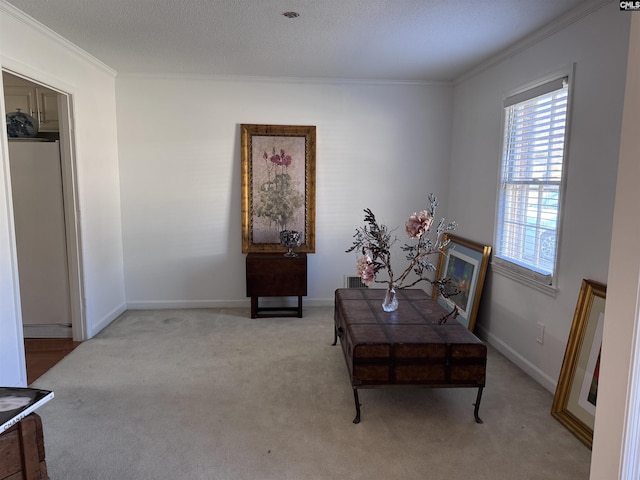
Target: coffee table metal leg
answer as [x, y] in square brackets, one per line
[357, 400]
[477, 405]
[337, 332]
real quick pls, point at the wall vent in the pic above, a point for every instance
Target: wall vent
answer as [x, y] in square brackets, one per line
[353, 282]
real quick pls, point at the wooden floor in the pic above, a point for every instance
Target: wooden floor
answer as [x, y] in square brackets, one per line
[43, 353]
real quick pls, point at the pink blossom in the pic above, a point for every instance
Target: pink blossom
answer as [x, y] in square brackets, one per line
[280, 159]
[368, 275]
[362, 263]
[418, 224]
[276, 159]
[365, 270]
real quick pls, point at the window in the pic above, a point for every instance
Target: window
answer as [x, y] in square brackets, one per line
[531, 179]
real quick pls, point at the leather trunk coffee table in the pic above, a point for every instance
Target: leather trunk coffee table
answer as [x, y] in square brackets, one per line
[407, 347]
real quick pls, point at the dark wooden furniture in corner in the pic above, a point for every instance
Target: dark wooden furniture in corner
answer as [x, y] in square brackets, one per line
[274, 275]
[22, 451]
[406, 347]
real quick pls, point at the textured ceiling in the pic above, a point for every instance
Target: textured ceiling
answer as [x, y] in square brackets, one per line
[358, 39]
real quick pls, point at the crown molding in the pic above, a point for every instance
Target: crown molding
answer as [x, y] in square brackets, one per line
[280, 80]
[539, 35]
[22, 17]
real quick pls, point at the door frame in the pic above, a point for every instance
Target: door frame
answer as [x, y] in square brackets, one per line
[72, 216]
[71, 208]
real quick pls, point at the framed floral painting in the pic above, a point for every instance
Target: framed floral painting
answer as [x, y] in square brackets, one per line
[278, 186]
[574, 403]
[464, 263]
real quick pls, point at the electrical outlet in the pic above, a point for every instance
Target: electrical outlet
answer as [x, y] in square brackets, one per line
[540, 337]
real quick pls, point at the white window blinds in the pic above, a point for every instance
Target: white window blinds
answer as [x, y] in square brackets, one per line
[531, 176]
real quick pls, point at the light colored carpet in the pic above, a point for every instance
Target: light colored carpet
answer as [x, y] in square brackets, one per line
[213, 394]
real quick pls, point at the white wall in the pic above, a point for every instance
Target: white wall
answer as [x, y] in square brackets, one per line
[511, 311]
[47, 58]
[382, 146]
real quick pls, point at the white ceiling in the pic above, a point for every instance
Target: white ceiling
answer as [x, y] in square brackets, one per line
[403, 40]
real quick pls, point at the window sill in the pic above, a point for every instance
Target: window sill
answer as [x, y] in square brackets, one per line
[524, 279]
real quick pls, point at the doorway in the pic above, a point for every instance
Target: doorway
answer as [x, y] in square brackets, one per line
[44, 336]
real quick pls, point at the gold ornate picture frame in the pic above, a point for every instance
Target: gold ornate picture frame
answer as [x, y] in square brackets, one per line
[465, 263]
[574, 403]
[278, 186]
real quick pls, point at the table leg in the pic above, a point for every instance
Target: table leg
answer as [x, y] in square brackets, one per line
[477, 405]
[254, 307]
[29, 449]
[299, 306]
[357, 400]
[337, 332]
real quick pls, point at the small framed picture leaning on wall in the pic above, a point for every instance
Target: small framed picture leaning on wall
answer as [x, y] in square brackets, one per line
[465, 263]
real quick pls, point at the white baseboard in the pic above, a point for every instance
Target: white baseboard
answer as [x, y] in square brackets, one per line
[106, 320]
[530, 369]
[47, 331]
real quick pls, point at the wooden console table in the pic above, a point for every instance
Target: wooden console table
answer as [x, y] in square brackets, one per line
[274, 275]
[22, 451]
[406, 347]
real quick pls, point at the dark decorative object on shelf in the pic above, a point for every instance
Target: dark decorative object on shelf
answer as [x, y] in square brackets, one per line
[290, 239]
[19, 124]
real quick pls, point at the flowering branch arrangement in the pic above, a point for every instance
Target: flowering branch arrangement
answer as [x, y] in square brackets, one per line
[374, 241]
